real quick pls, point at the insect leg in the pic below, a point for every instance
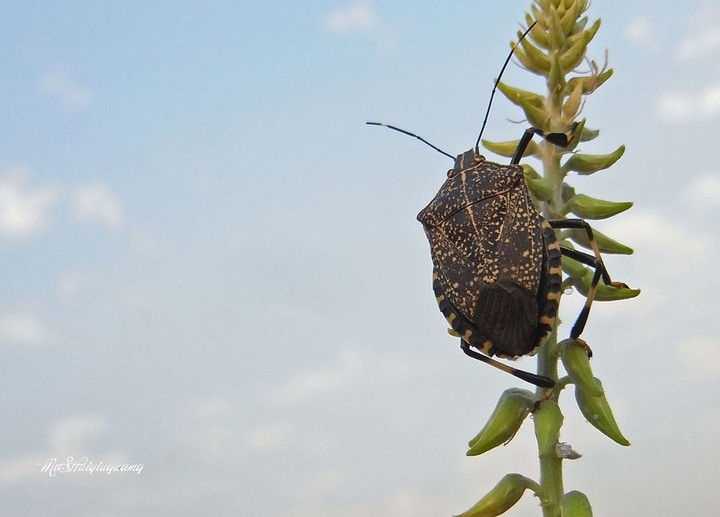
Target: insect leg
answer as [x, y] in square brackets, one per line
[583, 225]
[559, 139]
[537, 380]
[600, 272]
[524, 142]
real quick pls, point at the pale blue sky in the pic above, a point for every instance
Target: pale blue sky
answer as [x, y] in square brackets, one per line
[213, 267]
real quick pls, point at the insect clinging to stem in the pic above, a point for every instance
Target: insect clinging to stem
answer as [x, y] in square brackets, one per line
[497, 270]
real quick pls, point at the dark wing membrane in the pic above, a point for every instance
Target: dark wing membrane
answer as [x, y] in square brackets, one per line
[507, 313]
[502, 312]
[521, 253]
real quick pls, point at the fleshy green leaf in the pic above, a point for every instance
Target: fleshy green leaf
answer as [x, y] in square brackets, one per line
[548, 421]
[557, 32]
[575, 54]
[515, 95]
[509, 414]
[581, 24]
[604, 293]
[605, 244]
[537, 33]
[567, 21]
[589, 33]
[587, 207]
[592, 82]
[540, 17]
[577, 365]
[537, 117]
[589, 134]
[573, 268]
[597, 411]
[572, 104]
[576, 504]
[541, 188]
[539, 59]
[585, 164]
[508, 148]
[556, 75]
[502, 497]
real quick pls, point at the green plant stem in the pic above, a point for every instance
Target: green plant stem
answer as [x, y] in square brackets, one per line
[551, 481]
[551, 478]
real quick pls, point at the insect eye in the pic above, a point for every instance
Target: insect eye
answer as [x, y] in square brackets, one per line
[450, 173]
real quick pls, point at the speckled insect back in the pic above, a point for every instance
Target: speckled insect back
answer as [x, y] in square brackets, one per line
[497, 271]
[497, 263]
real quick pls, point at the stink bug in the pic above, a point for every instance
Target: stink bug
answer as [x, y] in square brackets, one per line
[497, 263]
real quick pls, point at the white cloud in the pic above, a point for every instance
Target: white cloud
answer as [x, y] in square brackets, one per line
[352, 19]
[657, 240]
[15, 470]
[24, 210]
[702, 35]
[268, 437]
[703, 192]
[701, 357]
[59, 85]
[687, 106]
[24, 328]
[70, 436]
[639, 31]
[97, 203]
[656, 234]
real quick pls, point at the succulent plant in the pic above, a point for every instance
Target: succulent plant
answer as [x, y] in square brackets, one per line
[555, 49]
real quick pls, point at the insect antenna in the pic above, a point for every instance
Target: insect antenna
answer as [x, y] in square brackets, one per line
[507, 60]
[382, 124]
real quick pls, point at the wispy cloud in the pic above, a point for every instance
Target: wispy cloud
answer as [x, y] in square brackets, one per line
[702, 35]
[71, 96]
[703, 192]
[268, 437]
[24, 210]
[660, 236]
[351, 19]
[97, 203]
[639, 31]
[24, 328]
[19, 468]
[72, 434]
[656, 233]
[688, 105]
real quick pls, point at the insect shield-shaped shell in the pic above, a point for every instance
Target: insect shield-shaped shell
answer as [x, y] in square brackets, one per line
[489, 250]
